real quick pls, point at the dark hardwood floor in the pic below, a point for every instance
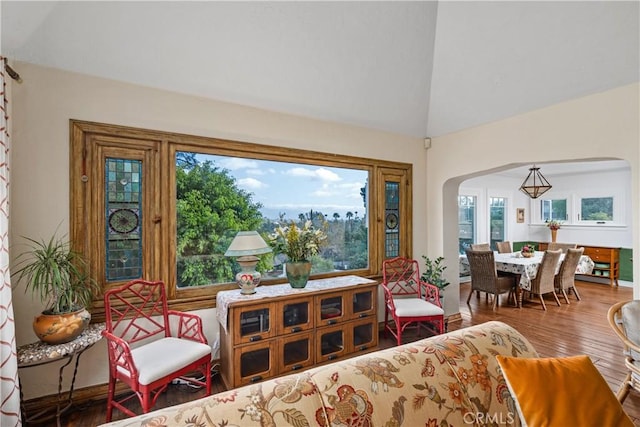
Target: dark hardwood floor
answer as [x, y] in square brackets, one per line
[578, 328]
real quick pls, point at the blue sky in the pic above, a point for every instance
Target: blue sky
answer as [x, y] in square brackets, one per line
[295, 188]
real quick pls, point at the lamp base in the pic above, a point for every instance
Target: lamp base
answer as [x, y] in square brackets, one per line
[248, 278]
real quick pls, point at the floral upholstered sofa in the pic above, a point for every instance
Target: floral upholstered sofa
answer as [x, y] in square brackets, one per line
[451, 379]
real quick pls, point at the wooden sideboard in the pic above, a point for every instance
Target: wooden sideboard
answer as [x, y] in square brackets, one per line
[606, 259]
[279, 329]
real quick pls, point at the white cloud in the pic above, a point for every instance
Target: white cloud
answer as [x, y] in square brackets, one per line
[251, 184]
[235, 163]
[321, 174]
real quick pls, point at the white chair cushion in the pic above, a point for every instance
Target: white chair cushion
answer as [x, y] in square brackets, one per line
[412, 307]
[164, 356]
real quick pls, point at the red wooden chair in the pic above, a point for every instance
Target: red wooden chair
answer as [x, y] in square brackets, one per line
[408, 299]
[149, 345]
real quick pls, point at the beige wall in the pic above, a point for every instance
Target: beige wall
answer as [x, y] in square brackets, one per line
[48, 98]
[604, 125]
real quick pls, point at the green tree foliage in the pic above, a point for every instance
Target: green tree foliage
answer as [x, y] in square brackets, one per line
[211, 210]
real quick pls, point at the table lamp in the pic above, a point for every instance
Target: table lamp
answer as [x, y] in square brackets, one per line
[245, 246]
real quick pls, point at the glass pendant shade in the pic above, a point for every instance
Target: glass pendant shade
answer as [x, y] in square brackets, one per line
[535, 185]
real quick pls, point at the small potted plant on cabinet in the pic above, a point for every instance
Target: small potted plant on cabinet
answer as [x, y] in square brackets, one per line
[299, 244]
[59, 277]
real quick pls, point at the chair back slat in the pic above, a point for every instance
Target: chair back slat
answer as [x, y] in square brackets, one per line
[567, 273]
[137, 311]
[504, 247]
[554, 246]
[401, 276]
[483, 270]
[480, 247]
[544, 280]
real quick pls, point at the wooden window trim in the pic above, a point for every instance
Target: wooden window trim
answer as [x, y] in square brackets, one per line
[159, 253]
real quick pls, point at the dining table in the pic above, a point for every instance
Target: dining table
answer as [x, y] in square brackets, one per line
[527, 268]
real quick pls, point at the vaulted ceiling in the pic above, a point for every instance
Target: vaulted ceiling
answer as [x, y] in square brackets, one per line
[420, 68]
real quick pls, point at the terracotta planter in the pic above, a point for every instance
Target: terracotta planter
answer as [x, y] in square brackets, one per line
[61, 328]
[298, 273]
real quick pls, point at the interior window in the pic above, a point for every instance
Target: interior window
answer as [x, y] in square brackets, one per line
[497, 209]
[466, 222]
[553, 209]
[597, 209]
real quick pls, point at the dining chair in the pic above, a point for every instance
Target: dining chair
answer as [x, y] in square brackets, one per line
[504, 247]
[484, 277]
[480, 247]
[149, 345]
[408, 299]
[624, 318]
[554, 246]
[544, 282]
[565, 280]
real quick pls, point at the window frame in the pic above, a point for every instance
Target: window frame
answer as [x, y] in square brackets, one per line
[574, 208]
[88, 140]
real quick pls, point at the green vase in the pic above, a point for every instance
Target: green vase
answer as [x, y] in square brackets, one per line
[298, 273]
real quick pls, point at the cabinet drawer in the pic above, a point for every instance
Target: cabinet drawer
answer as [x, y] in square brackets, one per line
[254, 362]
[600, 257]
[331, 343]
[253, 323]
[331, 308]
[362, 302]
[364, 334]
[296, 352]
[295, 316]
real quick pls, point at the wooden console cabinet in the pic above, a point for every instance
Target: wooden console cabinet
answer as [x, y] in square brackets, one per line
[280, 329]
[606, 259]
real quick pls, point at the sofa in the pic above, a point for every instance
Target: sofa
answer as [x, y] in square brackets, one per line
[451, 379]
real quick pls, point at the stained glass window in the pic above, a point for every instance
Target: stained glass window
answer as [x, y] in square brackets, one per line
[123, 204]
[392, 219]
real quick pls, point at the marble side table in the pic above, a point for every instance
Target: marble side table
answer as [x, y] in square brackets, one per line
[40, 353]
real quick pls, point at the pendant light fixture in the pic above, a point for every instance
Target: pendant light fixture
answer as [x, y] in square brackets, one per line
[535, 184]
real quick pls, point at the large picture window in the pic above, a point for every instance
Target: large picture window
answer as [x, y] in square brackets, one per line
[163, 206]
[217, 196]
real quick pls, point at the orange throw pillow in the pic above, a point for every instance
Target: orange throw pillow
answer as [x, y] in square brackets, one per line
[561, 392]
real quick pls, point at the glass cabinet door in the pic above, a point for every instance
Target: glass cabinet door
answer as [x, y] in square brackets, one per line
[255, 362]
[330, 309]
[295, 316]
[331, 343]
[362, 302]
[364, 335]
[295, 352]
[253, 323]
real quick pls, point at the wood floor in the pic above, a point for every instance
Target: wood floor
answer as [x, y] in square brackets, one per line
[578, 328]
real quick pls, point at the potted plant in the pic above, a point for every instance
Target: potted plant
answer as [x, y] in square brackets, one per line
[433, 273]
[299, 244]
[59, 277]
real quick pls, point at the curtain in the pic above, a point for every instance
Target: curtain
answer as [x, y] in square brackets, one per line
[9, 385]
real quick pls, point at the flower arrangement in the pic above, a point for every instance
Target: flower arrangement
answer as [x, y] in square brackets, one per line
[553, 224]
[528, 250]
[297, 243]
